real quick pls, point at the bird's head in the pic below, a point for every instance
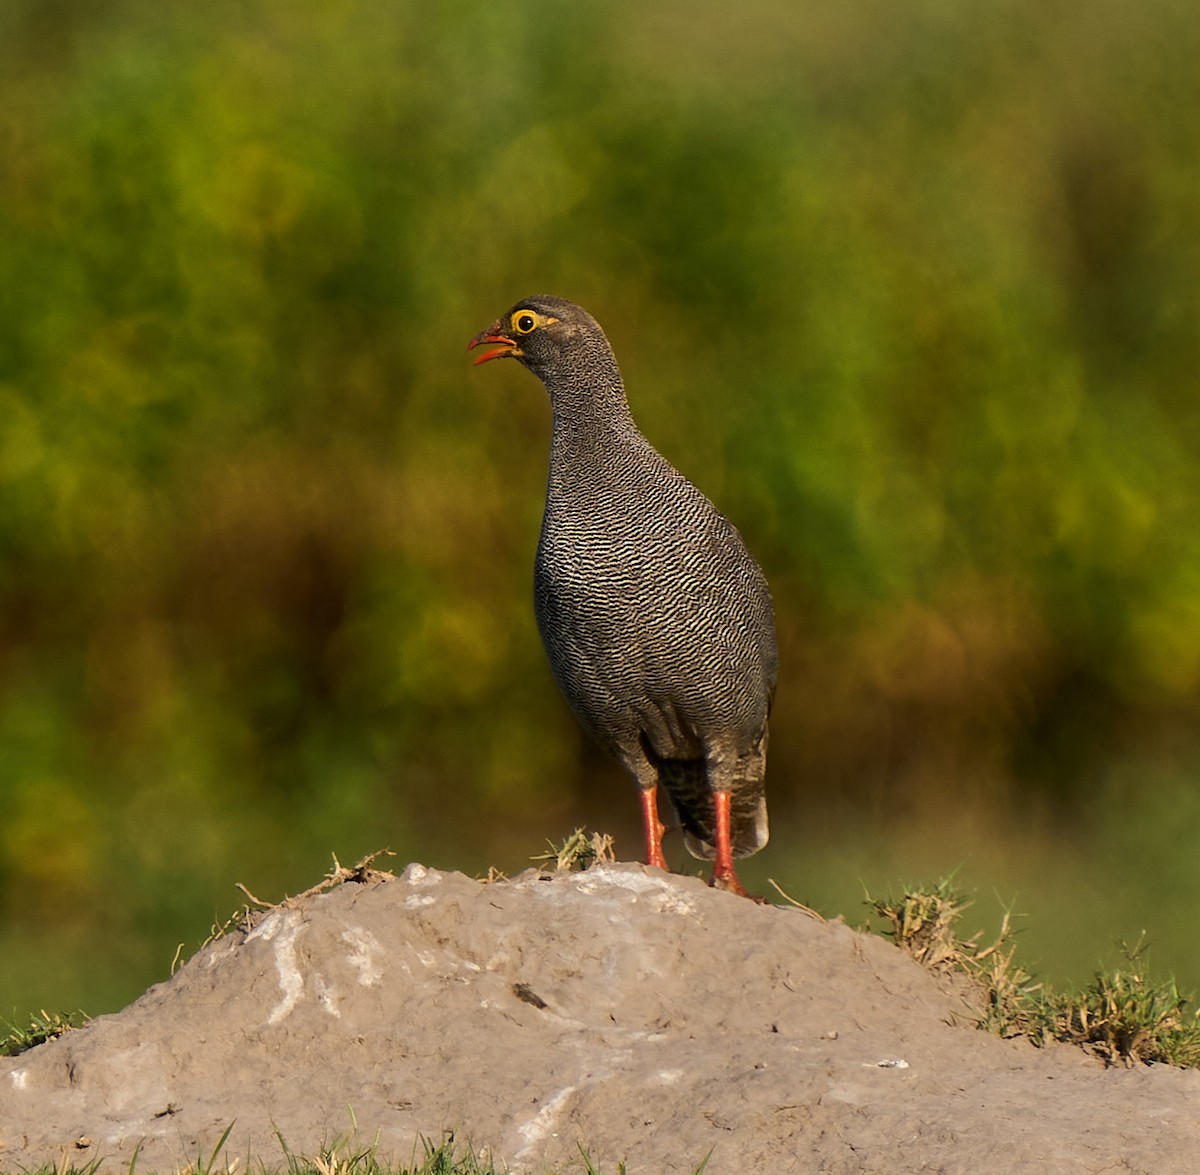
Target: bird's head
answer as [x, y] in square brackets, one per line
[549, 335]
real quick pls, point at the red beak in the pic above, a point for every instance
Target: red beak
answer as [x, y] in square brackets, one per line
[507, 349]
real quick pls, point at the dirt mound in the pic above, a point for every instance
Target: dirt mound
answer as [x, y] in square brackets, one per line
[643, 1015]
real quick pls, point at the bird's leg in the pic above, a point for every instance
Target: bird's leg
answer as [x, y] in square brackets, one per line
[654, 827]
[724, 876]
[726, 771]
[645, 774]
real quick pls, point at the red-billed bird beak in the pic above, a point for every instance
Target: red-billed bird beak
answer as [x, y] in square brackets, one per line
[507, 349]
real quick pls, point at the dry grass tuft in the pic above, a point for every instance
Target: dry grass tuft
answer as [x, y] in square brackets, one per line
[581, 850]
[37, 1029]
[1124, 1016]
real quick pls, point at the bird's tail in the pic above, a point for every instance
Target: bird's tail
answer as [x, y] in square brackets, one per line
[686, 784]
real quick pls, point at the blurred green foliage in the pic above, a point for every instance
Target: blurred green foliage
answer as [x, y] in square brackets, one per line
[911, 291]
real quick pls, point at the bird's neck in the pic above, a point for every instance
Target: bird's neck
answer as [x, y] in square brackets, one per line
[591, 416]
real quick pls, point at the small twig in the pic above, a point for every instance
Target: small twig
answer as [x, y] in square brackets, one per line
[253, 900]
[361, 871]
[792, 901]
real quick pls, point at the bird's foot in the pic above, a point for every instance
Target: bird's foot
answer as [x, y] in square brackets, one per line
[729, 882]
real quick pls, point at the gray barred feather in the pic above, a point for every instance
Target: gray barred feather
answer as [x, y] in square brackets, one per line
[656, 620]
[686, 783]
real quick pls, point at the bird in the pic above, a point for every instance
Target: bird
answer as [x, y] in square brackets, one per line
[656, 620]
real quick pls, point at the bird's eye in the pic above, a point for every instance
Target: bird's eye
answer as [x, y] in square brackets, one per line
[524, 322]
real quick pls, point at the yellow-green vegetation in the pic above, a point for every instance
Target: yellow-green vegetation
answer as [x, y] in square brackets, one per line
[909, 289]
[342, 1157]
[1125, 1015]
[36, 1029]
[580, 850]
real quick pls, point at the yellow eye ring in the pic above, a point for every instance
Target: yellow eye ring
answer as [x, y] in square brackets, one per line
[524, 322]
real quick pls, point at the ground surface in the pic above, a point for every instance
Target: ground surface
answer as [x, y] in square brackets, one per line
[643, 1015]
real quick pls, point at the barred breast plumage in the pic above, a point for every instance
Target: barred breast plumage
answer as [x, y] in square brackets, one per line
[656, 620]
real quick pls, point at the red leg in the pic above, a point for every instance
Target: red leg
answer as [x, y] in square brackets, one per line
[654, 827]
[724, 876]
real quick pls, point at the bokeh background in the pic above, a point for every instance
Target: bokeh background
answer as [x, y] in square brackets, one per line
[910, 290]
